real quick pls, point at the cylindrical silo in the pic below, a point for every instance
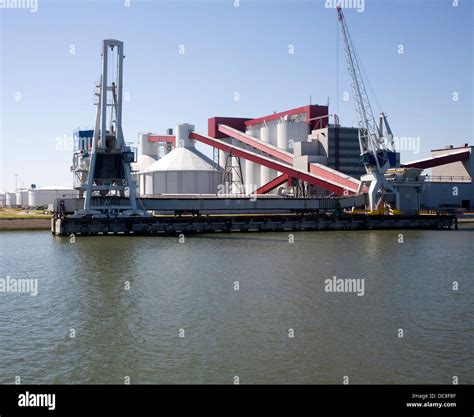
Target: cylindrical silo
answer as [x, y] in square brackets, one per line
[252, 170]
[266, 174]
[182, 136]
[249, 177]
[2, 200]
[145, 147]
[45, 196]
[10, 199]
[282, 134]
[222, 158]
[18, 198]
[22, 198]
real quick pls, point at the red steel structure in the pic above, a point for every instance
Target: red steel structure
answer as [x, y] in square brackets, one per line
[266, 148]
[344, 181]
[311, 111]
[235, 122]
[270, 186]
[292, 172]
[162, 138]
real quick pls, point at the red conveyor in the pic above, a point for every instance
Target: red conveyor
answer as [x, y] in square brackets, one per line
[319, 170]
[323, 182]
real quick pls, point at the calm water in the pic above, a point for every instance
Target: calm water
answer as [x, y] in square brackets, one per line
[190, 286]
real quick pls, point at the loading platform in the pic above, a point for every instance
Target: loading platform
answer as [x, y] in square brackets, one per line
[159, 225]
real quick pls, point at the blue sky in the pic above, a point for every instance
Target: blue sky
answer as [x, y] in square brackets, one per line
[47, 91]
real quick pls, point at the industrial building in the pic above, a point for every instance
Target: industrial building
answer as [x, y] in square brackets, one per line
[450, 185]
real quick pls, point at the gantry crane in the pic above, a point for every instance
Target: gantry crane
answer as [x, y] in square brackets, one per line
[376, 140]
[106, 178]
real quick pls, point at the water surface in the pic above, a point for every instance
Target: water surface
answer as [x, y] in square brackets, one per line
[244, 333]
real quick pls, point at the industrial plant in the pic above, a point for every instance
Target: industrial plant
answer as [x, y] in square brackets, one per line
[297, 169]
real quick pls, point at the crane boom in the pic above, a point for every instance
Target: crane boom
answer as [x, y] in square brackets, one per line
[375, 139]
[374, 145]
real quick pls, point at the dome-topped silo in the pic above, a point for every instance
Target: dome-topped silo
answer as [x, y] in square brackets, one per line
[184, 170]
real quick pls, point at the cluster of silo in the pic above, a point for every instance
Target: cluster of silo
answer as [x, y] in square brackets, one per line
[281, 133]
[36, 197]
[184, 170]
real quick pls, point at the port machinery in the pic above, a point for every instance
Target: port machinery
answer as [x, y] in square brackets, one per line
[375, 140]
[102, 170]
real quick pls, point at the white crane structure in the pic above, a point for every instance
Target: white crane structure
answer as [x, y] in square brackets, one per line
[376, 140]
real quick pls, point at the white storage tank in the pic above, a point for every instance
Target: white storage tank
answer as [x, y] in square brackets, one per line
[44, 196]
[283, 134]
[266, 174]
[184, 170]
[10, 199]
[145, 147]
[22, 197]
[2, 200]
[252, 170]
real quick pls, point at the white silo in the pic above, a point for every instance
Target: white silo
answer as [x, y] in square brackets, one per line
[266, 174]
[182, 136]
[147, 156]
[10, 199]
[147, 151]
[252, 170]
[145, 147]
[184, 170]
[22, 197]
[45, 196]
[283, 134]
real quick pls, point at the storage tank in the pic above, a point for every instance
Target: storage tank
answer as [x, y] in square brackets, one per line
[45, 196]
[252, 170]
[2, 200]
[184, 170]
[10, 199]
[266, 174]
[283, 134]
[22, 198]
[145, 147]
